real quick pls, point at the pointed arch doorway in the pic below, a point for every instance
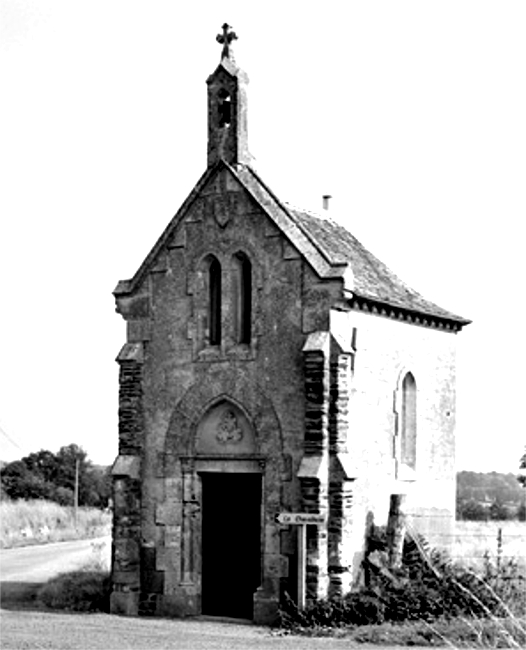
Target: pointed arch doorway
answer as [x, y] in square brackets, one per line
[231, 511]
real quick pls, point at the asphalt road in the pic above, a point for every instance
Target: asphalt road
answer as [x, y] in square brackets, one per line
[25, 626]
[39, 563]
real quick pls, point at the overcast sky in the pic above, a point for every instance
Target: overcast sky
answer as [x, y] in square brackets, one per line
[411, 114]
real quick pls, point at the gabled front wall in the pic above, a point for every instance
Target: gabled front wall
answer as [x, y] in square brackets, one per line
[182, 377]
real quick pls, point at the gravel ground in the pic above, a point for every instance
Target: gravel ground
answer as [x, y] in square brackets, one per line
[24, 630]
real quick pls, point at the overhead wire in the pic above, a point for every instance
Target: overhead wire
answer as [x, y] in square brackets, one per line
[8, 437]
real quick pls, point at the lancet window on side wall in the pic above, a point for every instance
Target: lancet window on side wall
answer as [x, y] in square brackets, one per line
[408, 421]
[241, 298]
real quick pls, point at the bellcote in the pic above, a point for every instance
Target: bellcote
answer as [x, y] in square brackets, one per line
[227, 107]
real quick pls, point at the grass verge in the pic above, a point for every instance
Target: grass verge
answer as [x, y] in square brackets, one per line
[85, 590]
[77, 591]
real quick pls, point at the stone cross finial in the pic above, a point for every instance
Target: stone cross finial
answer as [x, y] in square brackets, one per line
[225, 39]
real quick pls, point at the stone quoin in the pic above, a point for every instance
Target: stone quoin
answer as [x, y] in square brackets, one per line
[272, 365]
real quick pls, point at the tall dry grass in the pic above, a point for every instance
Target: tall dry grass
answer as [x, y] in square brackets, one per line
[475, 541]
[429, 600]
[38, 522]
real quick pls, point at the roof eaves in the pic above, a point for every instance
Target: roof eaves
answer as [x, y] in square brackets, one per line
[430, 311]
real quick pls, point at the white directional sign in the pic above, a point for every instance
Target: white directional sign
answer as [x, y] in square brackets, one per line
[297, 518]
[302, 520]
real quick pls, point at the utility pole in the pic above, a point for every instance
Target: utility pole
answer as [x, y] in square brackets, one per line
[76, 501]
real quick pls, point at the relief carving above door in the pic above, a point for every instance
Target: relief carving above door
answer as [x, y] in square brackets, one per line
[225, 429]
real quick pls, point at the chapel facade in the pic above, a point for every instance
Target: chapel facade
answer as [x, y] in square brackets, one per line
[271, 365]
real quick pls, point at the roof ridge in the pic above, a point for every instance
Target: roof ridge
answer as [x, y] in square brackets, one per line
[287, 221]
[282, 204]
[314, 240]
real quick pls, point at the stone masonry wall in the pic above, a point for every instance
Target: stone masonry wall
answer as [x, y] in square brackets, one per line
[131, 420]
[127, 525]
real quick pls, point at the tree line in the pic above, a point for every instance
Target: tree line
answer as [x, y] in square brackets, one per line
[45, 475]
[490, 496]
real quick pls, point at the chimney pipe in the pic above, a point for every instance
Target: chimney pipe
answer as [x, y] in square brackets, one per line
[326, 198]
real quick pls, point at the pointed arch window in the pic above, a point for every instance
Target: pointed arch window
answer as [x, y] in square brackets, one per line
[242, 298]
[214, 301]
[408, 422]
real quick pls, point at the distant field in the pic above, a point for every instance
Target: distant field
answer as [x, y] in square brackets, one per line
[475, 538]
[38, 522]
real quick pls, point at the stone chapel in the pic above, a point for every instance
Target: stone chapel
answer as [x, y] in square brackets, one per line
[272, 364]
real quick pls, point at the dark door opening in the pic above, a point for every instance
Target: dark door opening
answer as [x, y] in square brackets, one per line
[231, 543]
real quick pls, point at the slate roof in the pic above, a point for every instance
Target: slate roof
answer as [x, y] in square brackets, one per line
[331, 250]
[373, 280]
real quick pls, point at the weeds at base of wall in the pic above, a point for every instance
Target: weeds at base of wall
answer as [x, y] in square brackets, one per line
[427, 601]
[455, 633]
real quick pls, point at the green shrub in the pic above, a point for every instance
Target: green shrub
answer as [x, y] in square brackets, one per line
[79, 591]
